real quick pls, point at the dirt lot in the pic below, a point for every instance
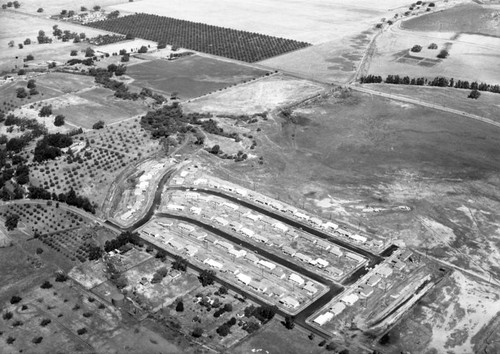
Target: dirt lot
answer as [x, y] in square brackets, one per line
[191, 76]
[471, 57]
[486, 106]
[344, 154]
[446, 319]
[255, 97]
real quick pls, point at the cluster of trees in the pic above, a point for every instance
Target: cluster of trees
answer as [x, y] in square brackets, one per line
[262, 313]
[14, 4]
[45, 111]
[11, 221]
[179, 263]
[235, 44]
[66, 35]
[49, 147]
[121, 240]
[224, 329]
[87, 62]
[437, 81]
[146, 92]
[106, 39]
[207, 277]
[70, 198]
[159, 275]
[103, 77]
[42, 38]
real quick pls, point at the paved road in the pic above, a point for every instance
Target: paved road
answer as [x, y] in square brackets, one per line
[426, 104]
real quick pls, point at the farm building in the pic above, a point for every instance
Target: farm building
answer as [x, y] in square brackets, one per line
[289, 301]
[324, 318]
[350, 299]
[267, 264]
[355, 257]
[296, 279]
[374, 280]
[337, 308]
[213, 264]
[384, 271]
[186, 227]
[245, 279]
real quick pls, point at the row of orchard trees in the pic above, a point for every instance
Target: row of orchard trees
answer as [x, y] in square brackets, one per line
[437, 81]
[230, 43]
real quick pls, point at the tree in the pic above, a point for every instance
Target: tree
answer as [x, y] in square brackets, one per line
[27, 41]
[416, 48]
[223, 330]
[46, 285]
[39, 10]
[474, 94]
[45, 111]
[162, 44]
[143, 49]
[21, 92]
[83, 8]
[98, 125]
[222, 290]
[15, 299]
[11, 44]
[443, 54]
[179, 307]
[207, 277]
[37, 340]
[289, 322]
[73, 53]
[59, 120]
[215, 149]
[61, 277]
[31, 84]
[125, 58]
[21, 72]
[89, 52]
[112, 68]
[96, 8]
[179, 263]
[433, 46]
[45, 322]
[11, 222]
[197, 332]
[30, 57]
[129, 36]
[120, 70]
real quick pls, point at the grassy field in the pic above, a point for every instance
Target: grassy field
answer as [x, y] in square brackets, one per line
[471, 57]
[191, 76]
[486, 106]
[275, 338]
[344, 153]
[54, 7]
[255, 97]
[90, 106]
[467, 18]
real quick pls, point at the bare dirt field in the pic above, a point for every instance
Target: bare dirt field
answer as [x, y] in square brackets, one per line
[323, 18]
[255, 97]
[467, 18]
[488, 104]
[339, 154]
[446, 319]
[471, 57]
[191, 76]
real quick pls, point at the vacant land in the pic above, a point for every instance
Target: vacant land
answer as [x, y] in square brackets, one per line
[488, 104]
[446, 319]
[54, 7]
[340, 153]
[309, 21]
[225, 42]
[192, 76]
[467, 18]
[256, 97]
[86, 108]
[471, 57]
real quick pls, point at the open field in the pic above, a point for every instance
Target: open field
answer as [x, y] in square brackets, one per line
[310, 21]
[446, 319]
[488, 104]
[225, 42]
[255, 97]
[54, 7]
[471, 57]
[90, 106]
[57, 51]
[467, 18]
[191, 76]
[349, 155]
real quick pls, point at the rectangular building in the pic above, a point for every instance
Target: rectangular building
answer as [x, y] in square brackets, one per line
[324, 318]
[296, 279]
[290, 302]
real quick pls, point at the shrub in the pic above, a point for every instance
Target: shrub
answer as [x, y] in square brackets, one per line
[179, 307]
[61, 277]
[433, 46]
[443, 54]
[46, 285]
[82, 331]
[59, 120]
[15, 299]
[10, 340]
[98, 125]
[7, 315]
[45, 322]
[474, 94]
[416, 48]
[197, 332]
[37, 340]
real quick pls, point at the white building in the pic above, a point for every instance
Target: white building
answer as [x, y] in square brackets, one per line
[289, 301]
[338, 308]
[212, 263]
[191, 250]
[267, 264]
[359, 238]
[324, 318]
[247, 232]
[186, 227]
[355, 257]
[280, 227]
[336, 251]
[237, 254]
[296, 279]
[175, 207]
[321, 263]
[245, 279]
[221, 221]
[350, 299]
[310, 288]
[253, 217]
[195, 210]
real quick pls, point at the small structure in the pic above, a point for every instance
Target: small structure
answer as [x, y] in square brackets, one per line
[324, 318]
[335, 271]
[359, 238]
[261, 238]
[224, 244]
[303, 257]
[338, 308]
[365, 290]
[251, 257]
[324, 244]
[221, 221]
[296, 279]
[267, 264]
[374, 280]
[336, 251]
[247, 232]
[191, 250]
[330, 225]
[384, 271]
[174, 244]
[117, 299]
[316, 221]
[301, 216]
[290, 302]
[321, 263]
[405, 255]
[288, 250]
[310, 288]
[350, 299]
[237, 254]
[186, 227]
[245, 279]
[212, 263]
[280, 227]
[175, 207]
[355, 257]
[253, 217]
[195, 210]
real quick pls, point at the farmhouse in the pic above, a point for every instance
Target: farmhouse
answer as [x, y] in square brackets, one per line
[289, 301]
[324, 318]
[296, 279]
